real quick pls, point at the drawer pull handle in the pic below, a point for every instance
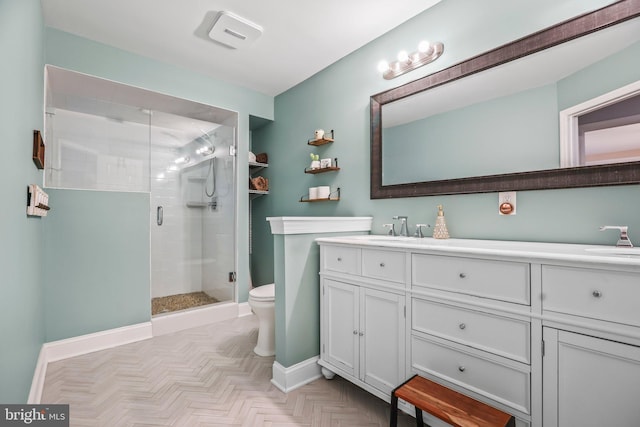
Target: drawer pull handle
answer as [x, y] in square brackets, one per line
[597, 294]
[361, 333]
[463, 275]
[355, 332]
[461, 368]
[462, 326]
[339, 259]
[382, 264]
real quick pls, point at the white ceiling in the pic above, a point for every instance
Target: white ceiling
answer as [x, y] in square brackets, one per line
[300, 37]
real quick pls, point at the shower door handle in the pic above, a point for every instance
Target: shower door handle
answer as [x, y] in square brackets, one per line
[159, 215]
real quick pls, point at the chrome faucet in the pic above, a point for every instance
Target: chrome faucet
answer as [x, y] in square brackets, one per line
[392, 229]
[418, 232]
[623, 240]
[404, 229]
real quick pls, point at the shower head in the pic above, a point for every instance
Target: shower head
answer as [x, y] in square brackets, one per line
[208, 135]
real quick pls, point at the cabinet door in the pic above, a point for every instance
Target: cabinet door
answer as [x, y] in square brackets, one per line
[340, 325]
[382, 325]
[589, 382]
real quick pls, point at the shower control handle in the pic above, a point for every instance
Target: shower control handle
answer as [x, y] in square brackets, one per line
[159, 215]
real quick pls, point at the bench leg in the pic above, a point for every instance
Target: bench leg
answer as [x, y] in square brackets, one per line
[419, 422]
[393, 422]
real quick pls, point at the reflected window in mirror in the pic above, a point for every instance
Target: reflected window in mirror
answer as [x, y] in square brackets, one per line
[603, 130]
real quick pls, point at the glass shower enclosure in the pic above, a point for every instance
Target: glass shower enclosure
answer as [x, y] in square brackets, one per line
[106, 136]
[192, 213]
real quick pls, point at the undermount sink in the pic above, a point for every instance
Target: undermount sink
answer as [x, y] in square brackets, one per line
[615, 251]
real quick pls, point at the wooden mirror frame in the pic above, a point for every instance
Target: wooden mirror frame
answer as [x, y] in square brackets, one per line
[581, 176]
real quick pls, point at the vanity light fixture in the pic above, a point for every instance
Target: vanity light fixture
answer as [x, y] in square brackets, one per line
[426, 53]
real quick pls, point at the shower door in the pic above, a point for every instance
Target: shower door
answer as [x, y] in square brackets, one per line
[192, 213]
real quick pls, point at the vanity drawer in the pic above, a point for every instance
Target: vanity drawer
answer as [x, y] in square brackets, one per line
[500, 280]
[341, 259]
[499, 381]
[501, 335]
[597, 294]
[385, 265]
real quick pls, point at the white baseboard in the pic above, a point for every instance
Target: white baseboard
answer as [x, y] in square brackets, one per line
[37, 384]
[83, 344]
[288, 379]
[174, 322]
[76, 346]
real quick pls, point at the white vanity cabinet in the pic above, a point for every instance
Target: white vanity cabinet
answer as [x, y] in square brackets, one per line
[590, 382]
[363, 318]
[547, 332]
[458, 338]
[592, 352]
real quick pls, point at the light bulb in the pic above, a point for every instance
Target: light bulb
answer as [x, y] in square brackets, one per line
[172, 168]
[403, 56]
[424, 46]
[383, 66]
[205, 151]
[180, 160]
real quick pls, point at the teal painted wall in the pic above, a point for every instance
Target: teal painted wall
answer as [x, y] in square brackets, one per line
[621, 69]
[21, 300]
[338, 98]
[297, 263]
[86, 56]
[297, 296]
[96, 262]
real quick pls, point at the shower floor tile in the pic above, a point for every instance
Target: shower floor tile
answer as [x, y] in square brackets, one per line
[180, 302]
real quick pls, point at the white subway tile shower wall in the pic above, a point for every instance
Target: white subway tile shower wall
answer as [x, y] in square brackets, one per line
[96, 153]
[203, 256]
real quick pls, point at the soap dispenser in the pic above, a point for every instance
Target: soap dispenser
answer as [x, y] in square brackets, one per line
[440, 230]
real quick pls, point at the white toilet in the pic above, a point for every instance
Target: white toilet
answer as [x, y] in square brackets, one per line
[262, 302]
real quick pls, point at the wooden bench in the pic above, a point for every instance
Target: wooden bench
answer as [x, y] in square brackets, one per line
[446, 404]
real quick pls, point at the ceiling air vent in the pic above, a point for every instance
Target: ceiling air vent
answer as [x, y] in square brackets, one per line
[234, 31]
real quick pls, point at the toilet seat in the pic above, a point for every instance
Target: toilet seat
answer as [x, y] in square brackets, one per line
[263, 293]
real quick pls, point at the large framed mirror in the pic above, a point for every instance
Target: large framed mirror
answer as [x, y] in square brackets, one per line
[492, 122]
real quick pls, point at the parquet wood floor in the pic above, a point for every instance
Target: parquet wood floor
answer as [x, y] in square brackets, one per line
[206, 376]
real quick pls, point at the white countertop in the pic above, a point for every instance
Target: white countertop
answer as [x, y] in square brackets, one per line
[319, 224]
[550, 251]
